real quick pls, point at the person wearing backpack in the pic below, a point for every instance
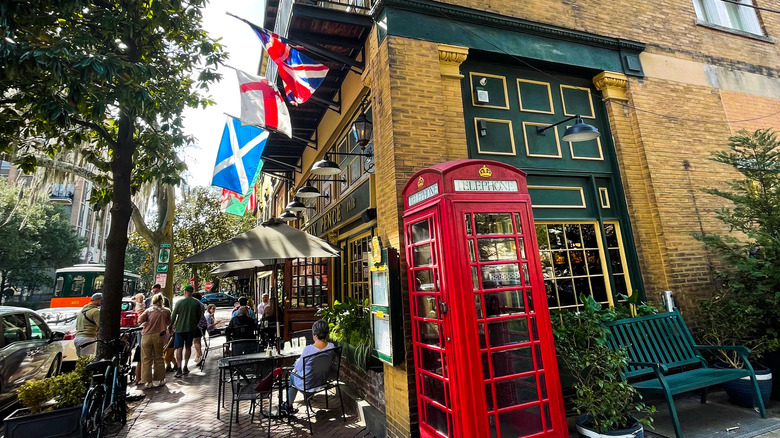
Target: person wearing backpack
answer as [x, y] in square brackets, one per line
[87, 326]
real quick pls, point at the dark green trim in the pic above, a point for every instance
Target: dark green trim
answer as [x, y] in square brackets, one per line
[439, 22]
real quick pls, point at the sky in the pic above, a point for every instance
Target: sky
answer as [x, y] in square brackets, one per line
[244, 49]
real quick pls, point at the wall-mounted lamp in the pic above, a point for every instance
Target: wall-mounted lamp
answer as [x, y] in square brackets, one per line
[288, 216]
[362, 130]
[482, 126]
[307, 191]
[326, 166]
[580, 131]
[295, 206]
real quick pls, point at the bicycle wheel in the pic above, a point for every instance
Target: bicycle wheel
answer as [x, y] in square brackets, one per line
[92, 412]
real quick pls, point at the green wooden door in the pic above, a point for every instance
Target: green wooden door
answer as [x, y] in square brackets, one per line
[579, 207]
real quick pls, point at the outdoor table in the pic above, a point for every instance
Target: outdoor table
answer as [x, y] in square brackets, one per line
[225, 363]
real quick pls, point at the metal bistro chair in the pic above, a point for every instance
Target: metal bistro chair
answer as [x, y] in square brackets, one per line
[324, 376]
[243, 380]
[302, 334]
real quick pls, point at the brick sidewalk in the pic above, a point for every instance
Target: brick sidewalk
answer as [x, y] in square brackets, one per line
[187, 407]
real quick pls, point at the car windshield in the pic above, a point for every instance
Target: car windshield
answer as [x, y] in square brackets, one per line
[59, 317]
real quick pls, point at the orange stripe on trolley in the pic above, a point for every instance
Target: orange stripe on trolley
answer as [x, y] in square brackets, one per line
[70, 302]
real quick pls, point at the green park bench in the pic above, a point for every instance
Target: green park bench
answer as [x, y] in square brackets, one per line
[663, 359]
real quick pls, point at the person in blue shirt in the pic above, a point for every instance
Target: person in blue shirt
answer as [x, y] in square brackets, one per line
[243, 302]
[320, 333]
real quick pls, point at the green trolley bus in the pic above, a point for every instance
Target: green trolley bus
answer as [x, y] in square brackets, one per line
[75, 285]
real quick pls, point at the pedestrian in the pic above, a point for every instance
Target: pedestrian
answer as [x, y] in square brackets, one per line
[156, 289]
[186, 314]
[87, 326]
[263, 304]
[201, 327]
[156, 320]
[243, 302]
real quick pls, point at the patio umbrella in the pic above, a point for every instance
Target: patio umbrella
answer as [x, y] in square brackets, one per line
[227, 268]
[274, 240]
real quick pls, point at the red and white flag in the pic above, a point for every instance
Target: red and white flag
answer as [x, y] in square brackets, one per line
[262, 105]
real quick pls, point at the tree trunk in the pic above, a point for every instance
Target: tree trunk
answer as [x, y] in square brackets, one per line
[167, 237]
[116, 244]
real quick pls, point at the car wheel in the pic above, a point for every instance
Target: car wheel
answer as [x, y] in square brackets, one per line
[54, 369]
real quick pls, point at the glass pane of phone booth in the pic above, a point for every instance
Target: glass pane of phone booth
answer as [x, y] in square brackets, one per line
[433, 379]
[512, 367]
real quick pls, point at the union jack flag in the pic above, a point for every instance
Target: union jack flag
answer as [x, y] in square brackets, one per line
[301, 75]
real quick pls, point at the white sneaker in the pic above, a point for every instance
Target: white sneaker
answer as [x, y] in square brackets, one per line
[162, 383]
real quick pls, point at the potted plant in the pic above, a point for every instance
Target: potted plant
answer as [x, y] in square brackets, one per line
[746, 309]
[350, 326]
[52, 406]
[607, 405]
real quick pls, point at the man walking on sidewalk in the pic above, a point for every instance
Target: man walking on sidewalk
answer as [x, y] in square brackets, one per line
[186, 314]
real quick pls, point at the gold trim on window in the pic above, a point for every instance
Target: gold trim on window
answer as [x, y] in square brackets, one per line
[604, 197]
[590, 101]
[511, 136]
[487, 75]
[561, 188]
[351, 264]
[549, 95]
[557, 141]
[575, 157]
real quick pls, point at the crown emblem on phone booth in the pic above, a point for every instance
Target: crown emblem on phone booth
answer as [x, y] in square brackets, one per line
[420, 182]
[485, 172]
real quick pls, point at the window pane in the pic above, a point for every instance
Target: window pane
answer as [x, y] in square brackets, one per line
[421, 231]
[469, 230]
[424, 280]
[492, 250]
[493, 223]
[504, 303]
[497, 276]
[516, 391]
[422, 255]
[37, 331]
[429, 333]
[555, 234]
[427, 306]
[430, 360]
[508, 332]
[436, 418]
[433, 388]
[514, 361]
[14, 328]
[521, 422]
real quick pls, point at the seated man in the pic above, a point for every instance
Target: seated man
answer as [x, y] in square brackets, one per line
[241, 326]
[314, 377]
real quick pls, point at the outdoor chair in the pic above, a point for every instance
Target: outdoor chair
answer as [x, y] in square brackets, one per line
[297, 335]
[243, 380]
[323, 376]
[241, 347]
[241, 332]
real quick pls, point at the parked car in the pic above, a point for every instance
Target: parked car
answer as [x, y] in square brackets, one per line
[29, 350]
[219, 299]
[129, 317]
[63, 319]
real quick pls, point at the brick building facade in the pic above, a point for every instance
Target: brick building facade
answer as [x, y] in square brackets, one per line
[666, 84]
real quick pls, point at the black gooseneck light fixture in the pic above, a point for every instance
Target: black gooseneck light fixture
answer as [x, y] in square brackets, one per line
[580, 131]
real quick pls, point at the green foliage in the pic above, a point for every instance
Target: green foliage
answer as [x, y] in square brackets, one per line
[138, 259]
[746, 311]
[66, 390]
[599, 391]
[199, 224]
[34, 394]
[37, 237]
[110, 80]
[350, 323]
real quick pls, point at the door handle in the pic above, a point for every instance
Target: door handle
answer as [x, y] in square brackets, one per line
[443, 308]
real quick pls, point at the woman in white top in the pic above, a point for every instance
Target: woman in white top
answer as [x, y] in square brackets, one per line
[319, 331]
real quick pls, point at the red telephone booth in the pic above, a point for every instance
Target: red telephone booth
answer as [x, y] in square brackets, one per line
[483, 349]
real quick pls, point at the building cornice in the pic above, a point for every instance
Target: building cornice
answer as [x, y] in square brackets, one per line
[483, 18]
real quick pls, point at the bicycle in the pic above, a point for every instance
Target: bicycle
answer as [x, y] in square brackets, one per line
[106, 400]
[204, 350]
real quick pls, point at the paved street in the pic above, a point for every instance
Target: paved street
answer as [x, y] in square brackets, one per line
[187, 408]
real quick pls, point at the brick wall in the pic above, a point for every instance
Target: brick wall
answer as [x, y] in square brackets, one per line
[369, 385]
[667, 27]
[420, 123]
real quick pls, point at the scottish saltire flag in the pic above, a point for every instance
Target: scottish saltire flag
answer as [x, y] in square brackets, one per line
[301, 75]
[262, 105]
[238, 157]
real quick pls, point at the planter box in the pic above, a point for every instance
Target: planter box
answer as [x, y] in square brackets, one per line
[22, 424]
